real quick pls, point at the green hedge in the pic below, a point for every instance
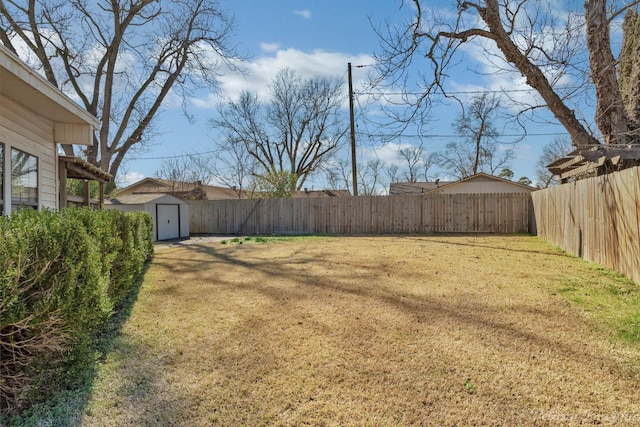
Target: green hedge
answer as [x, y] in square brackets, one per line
[61, 276]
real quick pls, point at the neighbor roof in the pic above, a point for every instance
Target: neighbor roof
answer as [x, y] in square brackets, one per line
[475, 177]
[398, 188]
[164, 185]
[321, 193]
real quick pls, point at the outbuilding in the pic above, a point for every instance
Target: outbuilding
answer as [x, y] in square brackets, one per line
[170, 214]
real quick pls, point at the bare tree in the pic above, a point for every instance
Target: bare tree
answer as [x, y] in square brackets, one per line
[428, 161]
[186, 176]
[551, 152]
[629, 68]
[297, 131]
[369, 178]
[477, 149]
[392, 172]
[120, 58]
[185, 169]
[523, 37]
[475, 126]
[174, 170]
[457, 159]
[338, 173]
[412, 157]
[233, 166]
[611, 116]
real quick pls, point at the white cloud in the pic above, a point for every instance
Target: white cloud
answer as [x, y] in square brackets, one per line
[524, 151]
[210, 101]
[257, 74]
[128, 178]
[387, 153]
[269, 47]
[306, 13]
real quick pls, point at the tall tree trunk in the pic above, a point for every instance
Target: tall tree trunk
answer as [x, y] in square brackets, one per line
[476, 162]
[629, 69]
[611, 116]
[534, 75]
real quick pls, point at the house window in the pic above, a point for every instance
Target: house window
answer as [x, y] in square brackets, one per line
[1, 179]
[24, 180]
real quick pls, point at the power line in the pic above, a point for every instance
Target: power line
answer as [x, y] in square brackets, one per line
[460, 92]
[382, 135]
[368, 135]
[172, 157]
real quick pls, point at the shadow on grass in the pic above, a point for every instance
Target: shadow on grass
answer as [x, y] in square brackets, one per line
[498, 330]
[433, 238]
[457, 239]
[65, 407]
[422, 309]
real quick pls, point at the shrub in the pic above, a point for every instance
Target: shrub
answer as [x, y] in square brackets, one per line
[61, 276]
[136, 234]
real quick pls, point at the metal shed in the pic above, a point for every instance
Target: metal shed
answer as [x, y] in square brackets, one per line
[170, 214]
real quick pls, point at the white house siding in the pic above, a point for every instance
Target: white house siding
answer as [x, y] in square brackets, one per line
[481, 187]
[481, 184]
[29, 132]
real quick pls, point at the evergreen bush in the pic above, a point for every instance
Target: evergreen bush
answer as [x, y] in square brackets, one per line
[61, 275]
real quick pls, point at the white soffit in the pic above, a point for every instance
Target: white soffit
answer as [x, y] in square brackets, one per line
[26, 87]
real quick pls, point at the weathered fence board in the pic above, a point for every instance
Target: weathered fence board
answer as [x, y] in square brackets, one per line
[486, 213]
[596, 218]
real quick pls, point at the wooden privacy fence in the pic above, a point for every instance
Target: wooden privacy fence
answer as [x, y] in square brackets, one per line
[486, 213]
[596, 218]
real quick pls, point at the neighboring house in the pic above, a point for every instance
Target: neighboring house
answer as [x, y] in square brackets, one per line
[476, 184]
[182, 190]
[397, 188]
[321, 193]
[34, 118]
[170, 214]
[199, 191]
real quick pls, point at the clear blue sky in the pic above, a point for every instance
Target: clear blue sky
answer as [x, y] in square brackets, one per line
[316, 38]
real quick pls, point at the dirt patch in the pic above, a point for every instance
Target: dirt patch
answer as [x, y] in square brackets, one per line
[447, 330]
[198, 239]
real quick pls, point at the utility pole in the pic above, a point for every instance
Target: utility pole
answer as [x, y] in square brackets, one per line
[354, 172]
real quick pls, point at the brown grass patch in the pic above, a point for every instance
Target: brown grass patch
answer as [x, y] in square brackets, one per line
[452, 330]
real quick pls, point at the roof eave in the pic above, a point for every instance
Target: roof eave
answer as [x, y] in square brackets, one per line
[33, 91]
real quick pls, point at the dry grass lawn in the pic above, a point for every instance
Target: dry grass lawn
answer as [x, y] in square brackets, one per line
[380, 331]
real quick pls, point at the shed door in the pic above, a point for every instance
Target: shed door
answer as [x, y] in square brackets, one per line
[168, 221]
